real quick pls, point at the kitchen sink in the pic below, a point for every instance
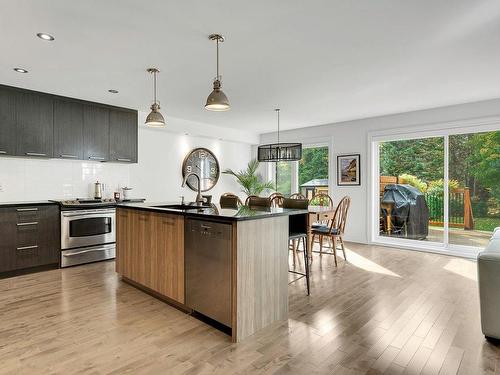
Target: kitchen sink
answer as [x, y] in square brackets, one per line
[183, 206]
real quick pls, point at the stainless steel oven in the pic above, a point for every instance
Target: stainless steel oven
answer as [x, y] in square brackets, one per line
[87, 235]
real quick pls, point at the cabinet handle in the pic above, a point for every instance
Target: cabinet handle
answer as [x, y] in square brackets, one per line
[30, 223]
[28, 247]
[3, 152]
[96, 158]
[68, 156]
[123, 159]
[27, 209]
[35, 154]
[85, 252]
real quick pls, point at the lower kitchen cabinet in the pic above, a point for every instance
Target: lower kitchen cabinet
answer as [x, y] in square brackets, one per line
[8, 242]
[30, 237]
[150, 250]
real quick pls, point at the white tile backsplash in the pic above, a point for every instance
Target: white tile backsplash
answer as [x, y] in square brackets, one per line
[39, 179]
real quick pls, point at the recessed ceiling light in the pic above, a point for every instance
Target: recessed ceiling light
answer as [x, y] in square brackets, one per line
[45, 36]
[20, 70]
[112, 91]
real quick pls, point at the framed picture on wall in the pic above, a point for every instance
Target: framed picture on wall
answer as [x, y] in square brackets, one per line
[348, 170]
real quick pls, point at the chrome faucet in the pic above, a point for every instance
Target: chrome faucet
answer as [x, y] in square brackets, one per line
[199, 198]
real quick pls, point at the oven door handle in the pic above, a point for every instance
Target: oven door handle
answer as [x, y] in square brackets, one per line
[97, 214]
[86, 251]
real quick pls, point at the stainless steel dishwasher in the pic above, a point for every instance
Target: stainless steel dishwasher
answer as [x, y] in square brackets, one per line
[207, 258]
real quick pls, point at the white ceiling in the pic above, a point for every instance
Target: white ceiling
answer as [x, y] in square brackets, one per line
[320, 61]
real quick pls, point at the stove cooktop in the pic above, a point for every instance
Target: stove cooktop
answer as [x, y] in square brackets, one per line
[92, 202]
[85, 202]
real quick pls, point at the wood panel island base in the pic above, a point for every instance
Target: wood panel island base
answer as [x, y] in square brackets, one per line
[229, 265]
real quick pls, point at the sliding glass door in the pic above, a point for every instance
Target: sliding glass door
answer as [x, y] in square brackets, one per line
[474, 187]
[409, 171]
[443, 191]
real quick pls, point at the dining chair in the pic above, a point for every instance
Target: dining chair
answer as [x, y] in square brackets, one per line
[335, 230]
[253, 201]
[324, 200]
[297, 234]
[297, 196]
[230, 200]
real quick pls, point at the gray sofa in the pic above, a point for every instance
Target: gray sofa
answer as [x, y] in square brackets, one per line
[488, 270]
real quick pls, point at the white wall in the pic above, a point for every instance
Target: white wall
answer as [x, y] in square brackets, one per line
[352, 137]
[156, 177]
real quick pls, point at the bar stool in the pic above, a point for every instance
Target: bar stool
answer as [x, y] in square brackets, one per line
[298, 232]
[254, 201]
[230, 200]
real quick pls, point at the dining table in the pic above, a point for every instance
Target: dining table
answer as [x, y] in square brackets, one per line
[317, 214]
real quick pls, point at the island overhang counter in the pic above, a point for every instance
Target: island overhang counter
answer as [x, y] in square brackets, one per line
[230, 264]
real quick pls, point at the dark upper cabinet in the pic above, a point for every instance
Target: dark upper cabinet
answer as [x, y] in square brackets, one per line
[123, 136]
[68, 129]
[95, 133]
[35, 124]
[7, 122]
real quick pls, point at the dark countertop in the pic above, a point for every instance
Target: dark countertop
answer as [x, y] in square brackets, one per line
[25, 203]
[216, 212]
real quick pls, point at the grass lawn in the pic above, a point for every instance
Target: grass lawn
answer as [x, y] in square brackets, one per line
[486, 223]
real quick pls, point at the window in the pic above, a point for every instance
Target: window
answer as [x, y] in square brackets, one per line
[308, 176]
[284, 177]
[313, 171]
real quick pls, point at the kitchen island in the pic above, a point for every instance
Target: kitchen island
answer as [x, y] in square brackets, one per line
[227, 265]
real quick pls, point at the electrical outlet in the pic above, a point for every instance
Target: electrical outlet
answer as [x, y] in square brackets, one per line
[1, 187]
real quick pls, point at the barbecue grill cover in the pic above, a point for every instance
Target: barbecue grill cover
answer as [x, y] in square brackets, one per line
[409, 209]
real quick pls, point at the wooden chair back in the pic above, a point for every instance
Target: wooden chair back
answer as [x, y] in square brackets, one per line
[255, 201]
[276, 200]
[297, 196]
[340, 216]
[230, 200]
[322, 199]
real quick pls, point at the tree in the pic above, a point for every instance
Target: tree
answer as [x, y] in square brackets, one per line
[314, 164]
[485, 158]
[423, 158]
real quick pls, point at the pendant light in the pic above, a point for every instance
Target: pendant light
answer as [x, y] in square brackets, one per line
[155, 118]
[276, 152]
[217, 100]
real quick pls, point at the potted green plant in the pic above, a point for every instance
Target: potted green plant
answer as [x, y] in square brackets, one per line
[250, 181]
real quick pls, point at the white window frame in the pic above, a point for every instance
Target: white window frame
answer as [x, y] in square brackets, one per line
[425, 131]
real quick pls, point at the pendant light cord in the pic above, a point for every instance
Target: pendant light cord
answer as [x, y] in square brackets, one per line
[278, 112]
[217, 58]
[154, 86]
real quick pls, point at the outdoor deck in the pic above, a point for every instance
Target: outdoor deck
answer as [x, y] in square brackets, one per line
[463, 237]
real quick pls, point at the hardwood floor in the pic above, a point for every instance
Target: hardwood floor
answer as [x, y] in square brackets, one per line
[386, 311]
